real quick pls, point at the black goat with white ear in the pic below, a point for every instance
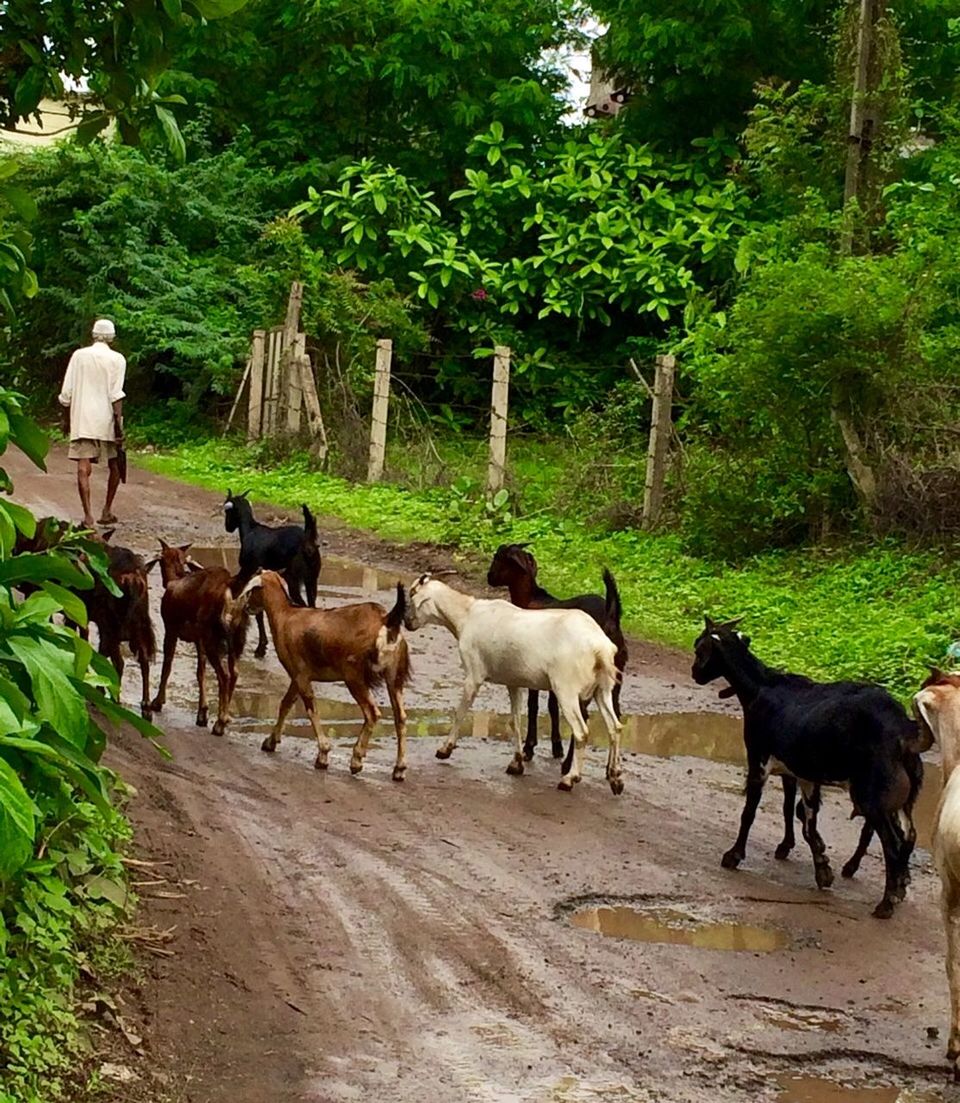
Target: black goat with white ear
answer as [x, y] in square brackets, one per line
[291, 550]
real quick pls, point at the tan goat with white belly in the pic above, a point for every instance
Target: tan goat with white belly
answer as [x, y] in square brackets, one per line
[360, 645]
[938, 704]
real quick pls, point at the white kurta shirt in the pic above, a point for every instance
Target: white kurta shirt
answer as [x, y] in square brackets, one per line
[94, 381]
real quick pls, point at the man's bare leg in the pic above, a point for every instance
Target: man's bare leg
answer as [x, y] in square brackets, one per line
[113, 481]
[83, 485]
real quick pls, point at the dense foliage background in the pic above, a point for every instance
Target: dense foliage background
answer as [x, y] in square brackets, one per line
[442, 193]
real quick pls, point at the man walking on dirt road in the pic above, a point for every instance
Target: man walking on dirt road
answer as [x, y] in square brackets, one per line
[93, 390]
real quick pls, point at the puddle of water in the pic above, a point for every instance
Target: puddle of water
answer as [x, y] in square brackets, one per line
[335, 571]
[812, 1089]
[801, 1018]
[670, 925]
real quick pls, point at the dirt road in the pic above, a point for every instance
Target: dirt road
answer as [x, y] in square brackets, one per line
[342, 938]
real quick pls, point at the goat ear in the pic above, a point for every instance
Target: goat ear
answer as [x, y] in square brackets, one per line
[229, 492]
[186, 547]
[243, 494]
[105, 536]
[708, 624]
[731, 624]
[163, 543]
[148, 567]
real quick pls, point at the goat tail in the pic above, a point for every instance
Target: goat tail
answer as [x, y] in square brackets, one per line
[606, 676]
[919, 739]
[310, 524]
[614, 608]
[394, 621]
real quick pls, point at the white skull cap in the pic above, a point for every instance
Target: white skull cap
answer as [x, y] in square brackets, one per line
[103, 327]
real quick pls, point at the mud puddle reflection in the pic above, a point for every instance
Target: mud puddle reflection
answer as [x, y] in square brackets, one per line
[336, 573]
[811, 1089]
[678, 928]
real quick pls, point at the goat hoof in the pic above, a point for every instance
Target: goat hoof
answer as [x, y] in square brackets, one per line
[444, 752]
[953, 1051]
[202, 718]
[850, 870]
[356, 765]
[528, 754]
[398, 773]
[260, 652]
[320, 763]
[884, 909]
[556, 750]
[824, 876]
[566, 784]
[219, 728]
[731, 859]
[156, 705]
[515, 769]
[145, 710]
[269, 745]
[616, 786]
[783, 852]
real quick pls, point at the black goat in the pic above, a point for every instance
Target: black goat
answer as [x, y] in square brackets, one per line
[291, 550]
[822, 733]
[513, 566]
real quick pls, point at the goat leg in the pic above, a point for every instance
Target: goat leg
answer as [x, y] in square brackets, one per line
[556, 743]
[950, 908]
[789, 805]
[169, 650]
[853, 862]
[371, 714]
[809, 807]
[223, 694]
[892, 843]
[144, 663]
[756, 777]
[323, 740]
[516, 712]
[533, 707]
[201, 687]
[604, 700]
[261, 638]
[572, 715]
[470, 689]
[400, 726]
[272, 741]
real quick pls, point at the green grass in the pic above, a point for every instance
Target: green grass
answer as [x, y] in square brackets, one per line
[876, 611]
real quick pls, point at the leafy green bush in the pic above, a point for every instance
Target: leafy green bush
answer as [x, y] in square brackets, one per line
[62, 885]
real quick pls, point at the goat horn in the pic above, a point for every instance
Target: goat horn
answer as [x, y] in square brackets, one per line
[731, 624]
[708, 623]
[229, 492]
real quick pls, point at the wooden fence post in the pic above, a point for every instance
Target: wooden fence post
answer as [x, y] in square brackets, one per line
[498, 418]
[660, 430]
[255, 399]
[294, 389]
[287, 366]
[311, 402]
[381, 405]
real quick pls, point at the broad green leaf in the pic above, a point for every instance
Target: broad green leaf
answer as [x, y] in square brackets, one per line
[171, 130]
[39, 567]
[29, 438]
[70, 603]
[57, 699]
[103, 888]
[17, 821]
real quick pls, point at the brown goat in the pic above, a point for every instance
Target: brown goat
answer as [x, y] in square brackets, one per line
[360, 645]
[200, 608]
[119, 619]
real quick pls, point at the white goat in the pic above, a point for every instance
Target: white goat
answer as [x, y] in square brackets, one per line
[938, 705]
[563, 650]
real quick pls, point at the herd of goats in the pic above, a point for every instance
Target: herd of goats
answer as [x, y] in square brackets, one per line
[812, 733]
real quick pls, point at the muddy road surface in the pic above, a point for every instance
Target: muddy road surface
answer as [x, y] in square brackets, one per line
[469, 937]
